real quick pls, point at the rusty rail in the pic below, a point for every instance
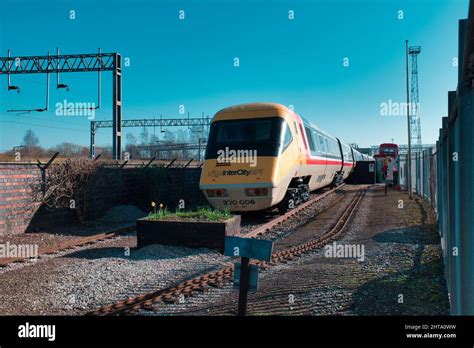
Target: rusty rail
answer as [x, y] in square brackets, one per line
[279, 220]
[216, 279]
[70, 244]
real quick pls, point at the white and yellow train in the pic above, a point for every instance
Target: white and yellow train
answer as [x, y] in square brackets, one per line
[264, 155]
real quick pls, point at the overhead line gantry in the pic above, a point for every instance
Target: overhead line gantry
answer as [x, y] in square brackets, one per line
[47, 64]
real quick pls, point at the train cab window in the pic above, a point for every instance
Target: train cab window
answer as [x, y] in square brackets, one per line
[287, 137]
[246, 131]
[261, 135]
[312, 148]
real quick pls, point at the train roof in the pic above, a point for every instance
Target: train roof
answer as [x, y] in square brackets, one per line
[251, 110]
[306, 122]
[254, 107]
[265, 109]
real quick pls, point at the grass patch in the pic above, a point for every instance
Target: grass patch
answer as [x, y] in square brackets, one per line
[201, 214]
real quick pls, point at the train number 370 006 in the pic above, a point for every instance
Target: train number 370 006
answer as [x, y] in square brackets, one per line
[232, 202]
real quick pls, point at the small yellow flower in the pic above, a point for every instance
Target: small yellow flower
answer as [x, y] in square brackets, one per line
[153, 204]
[161, 205]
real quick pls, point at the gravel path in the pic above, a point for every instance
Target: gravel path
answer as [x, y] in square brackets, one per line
[401, 273]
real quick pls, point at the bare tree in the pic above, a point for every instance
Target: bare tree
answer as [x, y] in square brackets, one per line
[31, 143]
[69, 184]
[70, 150]
[131, 146]
[145, 137]
[30, 140]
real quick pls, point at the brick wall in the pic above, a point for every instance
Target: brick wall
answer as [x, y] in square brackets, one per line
[136, 186]
[15, 212]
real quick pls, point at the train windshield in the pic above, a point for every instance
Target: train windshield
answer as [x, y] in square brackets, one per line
[261, 135]
[388, 150]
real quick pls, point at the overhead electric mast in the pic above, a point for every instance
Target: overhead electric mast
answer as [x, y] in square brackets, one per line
[415, 134]
[66, 63]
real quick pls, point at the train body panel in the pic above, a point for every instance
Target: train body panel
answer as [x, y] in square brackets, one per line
[258, 153]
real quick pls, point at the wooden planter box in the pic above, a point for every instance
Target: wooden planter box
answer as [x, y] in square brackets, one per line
[194, 234]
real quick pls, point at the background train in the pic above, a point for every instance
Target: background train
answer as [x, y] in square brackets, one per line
[387, 151]
[264, 155]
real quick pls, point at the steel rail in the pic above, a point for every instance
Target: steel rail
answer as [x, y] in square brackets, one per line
[216, 279]
[70, 244]
[279, 220]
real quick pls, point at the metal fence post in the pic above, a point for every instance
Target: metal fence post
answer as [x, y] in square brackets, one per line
[466, 194]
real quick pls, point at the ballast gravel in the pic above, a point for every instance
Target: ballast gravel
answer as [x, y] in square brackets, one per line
[85, 280]
[89, 277]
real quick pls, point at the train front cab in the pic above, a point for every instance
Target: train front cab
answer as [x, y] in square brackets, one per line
[251, 157]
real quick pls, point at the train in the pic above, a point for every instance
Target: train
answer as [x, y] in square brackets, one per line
[262, 156]
[388, 149]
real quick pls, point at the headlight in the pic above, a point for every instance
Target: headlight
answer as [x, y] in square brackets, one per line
[217, 193]
[253, 192]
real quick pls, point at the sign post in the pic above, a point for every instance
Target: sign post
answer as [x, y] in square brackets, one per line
[244, 286]
[245, 274]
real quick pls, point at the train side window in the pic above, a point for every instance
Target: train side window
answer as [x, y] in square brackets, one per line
[322, 147]
[312, 148]
[287, 137]
[296, 128]
[317, 143]
[326, 144]
[333, 148]
[346, 154]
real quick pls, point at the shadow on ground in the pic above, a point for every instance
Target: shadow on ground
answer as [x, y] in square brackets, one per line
[413, 235]
[420, 290]
[423, 289]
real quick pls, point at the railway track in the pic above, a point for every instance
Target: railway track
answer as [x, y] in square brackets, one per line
[78, 242]
[266, 227]
[216, 279]
[70, 244]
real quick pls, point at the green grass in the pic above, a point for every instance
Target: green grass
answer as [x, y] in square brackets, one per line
[203, 214]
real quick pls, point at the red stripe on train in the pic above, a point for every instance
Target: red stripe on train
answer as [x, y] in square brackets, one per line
[309, 160]
[328, 162]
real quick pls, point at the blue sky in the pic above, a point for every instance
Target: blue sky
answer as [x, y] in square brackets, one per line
[190, 62]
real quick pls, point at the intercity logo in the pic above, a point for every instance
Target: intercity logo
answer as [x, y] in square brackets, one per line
[241, 172]
[237, 156]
